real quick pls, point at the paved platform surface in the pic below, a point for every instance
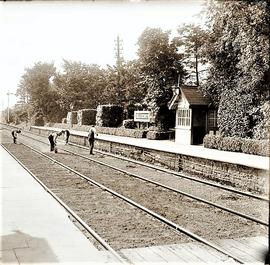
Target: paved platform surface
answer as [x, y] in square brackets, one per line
[252, 161]
[250, 250]
[35, 229]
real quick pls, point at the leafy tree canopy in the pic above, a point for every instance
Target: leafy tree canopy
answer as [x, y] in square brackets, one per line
[160, 66]
[36, 89]
[79, 85]
[238, 53]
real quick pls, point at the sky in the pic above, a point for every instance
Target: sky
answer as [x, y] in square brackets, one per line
[50, 31]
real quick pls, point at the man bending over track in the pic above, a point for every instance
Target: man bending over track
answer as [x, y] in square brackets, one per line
[14, 135]
[52, 139]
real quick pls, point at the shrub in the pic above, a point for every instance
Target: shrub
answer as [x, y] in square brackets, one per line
[211, 141]
[236, 144]
[256, 147]
[86, 117]
[122, 132]
[72, 117]
[37, 120]
[133, 107]
[109, 115]
[233, 144]
[158, 135]
[129, 124]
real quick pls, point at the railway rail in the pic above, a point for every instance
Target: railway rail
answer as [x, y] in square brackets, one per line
[161, 218]
[75, 217]
[173, 226]
[188, 194]
[175, 173]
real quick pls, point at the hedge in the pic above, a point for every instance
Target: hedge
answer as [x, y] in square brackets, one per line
[158, 135]
[122, 132]
[72, 117]
[236, 144]
[129, 124]
[109, 115]
[86, 117]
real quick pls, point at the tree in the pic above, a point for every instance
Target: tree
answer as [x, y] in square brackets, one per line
[191, 38]
[237, 50]
[35, 88]
[160, 66]
[79, 85]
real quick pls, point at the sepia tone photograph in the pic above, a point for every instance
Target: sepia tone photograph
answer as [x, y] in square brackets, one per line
[134, 132]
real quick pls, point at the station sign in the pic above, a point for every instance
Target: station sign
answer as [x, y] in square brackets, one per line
[142, 116]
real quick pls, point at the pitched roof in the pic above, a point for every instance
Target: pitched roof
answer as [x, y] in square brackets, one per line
[194, 96]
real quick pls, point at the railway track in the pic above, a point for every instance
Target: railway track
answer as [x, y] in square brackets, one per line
[205, 195]
[156, 215]
[164, 228]
[164, 170]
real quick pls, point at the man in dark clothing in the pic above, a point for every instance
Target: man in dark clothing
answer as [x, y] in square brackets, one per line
[52, 139]
[14, 135]
[91, 138]
[67, 133]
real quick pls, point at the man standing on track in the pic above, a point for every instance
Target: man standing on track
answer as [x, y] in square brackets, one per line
[67, 133]
[14, 135]
[52, 139]
[91, 138]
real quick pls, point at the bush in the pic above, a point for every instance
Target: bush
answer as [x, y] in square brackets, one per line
[211, 141]
[109, 115]
[133, 107]
[86, 117]
[256, 147]
[72, 117]
[236, 144]
[129, 124]
[38, 120]
[233, 144]
[158, 135]
[122, 132]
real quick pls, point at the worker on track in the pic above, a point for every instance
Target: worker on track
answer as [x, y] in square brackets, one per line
[53, 140]
[14, 135]
[91, 138]
[67, 134]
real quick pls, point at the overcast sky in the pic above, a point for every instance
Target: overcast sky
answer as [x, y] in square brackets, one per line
[78, 30]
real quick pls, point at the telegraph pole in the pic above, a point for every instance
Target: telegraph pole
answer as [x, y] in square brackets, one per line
[119, 61]
[8, 93]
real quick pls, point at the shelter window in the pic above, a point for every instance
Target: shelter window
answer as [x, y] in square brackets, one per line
[212, 118]
[184, 117]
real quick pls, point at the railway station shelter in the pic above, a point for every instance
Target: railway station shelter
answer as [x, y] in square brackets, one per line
[195, 115]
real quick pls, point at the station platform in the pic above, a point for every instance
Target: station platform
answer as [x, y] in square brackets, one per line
[35, 229]
[252, 161]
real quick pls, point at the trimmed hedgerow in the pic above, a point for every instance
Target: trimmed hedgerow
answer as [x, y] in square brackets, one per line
[158, 135]
[236, 144]
[109, 115]
[86, 117]
[212, 141]
[233, 144]
[129, 124]
[256, 147]
[122, 132]
[72, 117]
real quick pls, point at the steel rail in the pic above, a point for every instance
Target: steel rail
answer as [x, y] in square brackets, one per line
[209, 183]
[150, 212]
[226, 209]
[248, 194]
[248, 217]
[71, 212]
